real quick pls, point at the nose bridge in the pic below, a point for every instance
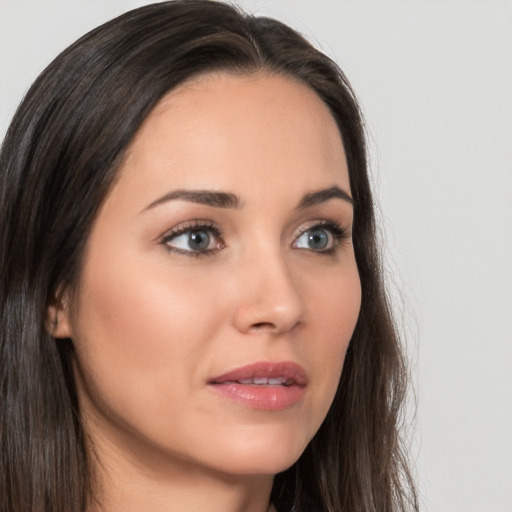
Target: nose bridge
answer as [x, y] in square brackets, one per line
[269, 296]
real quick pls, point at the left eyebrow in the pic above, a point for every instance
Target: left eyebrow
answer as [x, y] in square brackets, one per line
[321, 196]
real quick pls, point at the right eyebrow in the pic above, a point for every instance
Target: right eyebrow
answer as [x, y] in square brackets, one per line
[206, 197]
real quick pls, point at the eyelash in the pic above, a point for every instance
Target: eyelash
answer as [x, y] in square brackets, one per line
[190, 227]
[338, 233]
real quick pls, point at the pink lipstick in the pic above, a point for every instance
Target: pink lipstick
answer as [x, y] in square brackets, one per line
[263, 385]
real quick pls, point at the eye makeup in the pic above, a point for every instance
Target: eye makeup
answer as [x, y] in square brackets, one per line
[204, 238]
[322, 236]
[198, 238]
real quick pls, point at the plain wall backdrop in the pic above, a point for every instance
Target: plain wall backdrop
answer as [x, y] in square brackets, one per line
[435, 81]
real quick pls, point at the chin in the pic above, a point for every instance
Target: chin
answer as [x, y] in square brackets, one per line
[262, 451]
[269, 464]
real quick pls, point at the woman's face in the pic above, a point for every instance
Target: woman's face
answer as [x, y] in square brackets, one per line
[219, 290]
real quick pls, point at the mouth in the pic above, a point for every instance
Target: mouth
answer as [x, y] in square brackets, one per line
[263, 385]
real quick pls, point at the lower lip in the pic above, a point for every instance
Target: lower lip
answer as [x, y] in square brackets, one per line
[268, 398]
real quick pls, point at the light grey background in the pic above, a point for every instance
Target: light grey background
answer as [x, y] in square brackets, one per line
[435, 81]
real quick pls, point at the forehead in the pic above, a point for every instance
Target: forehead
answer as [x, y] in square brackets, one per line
[226, 131]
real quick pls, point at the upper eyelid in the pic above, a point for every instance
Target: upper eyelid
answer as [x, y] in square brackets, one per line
[323, 223]
[198, 224]
[192, 225]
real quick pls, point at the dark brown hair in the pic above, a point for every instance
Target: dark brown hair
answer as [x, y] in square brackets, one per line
[58, 162]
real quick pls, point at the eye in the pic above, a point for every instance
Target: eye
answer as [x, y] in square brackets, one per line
[321, 237]
[194, 239]
[317, 239]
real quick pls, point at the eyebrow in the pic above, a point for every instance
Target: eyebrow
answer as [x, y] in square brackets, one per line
[229, 200]
[206, 197]
[321, 196]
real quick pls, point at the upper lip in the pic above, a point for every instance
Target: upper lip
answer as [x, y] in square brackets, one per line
[291, 372]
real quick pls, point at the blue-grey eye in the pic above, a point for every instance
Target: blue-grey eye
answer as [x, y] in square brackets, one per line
[199, 240]
[317, 239]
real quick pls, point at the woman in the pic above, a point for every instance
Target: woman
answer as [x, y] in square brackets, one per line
[192, 311]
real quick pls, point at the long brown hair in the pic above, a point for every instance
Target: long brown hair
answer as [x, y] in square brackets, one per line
[58, 162]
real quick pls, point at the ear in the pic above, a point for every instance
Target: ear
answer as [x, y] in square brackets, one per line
[58, 318]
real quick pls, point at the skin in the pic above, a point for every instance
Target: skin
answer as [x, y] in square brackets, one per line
[152, 322]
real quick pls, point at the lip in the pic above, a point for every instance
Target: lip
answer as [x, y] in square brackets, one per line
[268, 396]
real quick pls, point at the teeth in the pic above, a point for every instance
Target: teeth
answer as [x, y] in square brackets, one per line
[263, 381]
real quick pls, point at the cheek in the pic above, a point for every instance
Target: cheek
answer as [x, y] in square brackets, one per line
[139, 335]
[335, 306]
[141, 311]
[334, 301]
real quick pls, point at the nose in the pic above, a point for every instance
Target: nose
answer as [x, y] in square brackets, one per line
[268, 299]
